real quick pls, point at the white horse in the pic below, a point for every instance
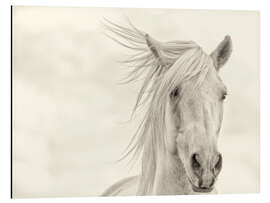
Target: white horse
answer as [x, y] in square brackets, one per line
[184, 96]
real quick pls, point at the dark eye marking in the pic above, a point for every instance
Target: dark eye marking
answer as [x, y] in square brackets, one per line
[224, 95]
[175, 93]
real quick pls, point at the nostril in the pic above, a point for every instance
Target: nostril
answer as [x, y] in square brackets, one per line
[195, 161]
[219, 162]
[212, 183]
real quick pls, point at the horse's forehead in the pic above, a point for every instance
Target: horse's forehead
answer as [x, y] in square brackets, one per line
[212, 86]
[212, 81]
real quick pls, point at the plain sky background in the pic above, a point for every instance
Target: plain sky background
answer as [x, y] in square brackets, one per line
[70, 114]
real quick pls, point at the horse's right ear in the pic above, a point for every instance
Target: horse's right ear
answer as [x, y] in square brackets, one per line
[222, 53]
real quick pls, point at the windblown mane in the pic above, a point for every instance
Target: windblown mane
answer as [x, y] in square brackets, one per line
[163, 66]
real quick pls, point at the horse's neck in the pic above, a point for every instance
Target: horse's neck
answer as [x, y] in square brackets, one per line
[171, 177]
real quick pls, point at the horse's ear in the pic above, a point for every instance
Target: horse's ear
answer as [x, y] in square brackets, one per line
[222, 53]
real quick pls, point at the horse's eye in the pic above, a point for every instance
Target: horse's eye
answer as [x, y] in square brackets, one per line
[174, 93]
[224, 96]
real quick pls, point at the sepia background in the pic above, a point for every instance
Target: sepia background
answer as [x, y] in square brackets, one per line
[70, 113]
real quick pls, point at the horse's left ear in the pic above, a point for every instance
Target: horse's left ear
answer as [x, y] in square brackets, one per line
[222, 53]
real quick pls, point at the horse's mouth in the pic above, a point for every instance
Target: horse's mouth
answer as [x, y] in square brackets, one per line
[203, 190]
[199, 189]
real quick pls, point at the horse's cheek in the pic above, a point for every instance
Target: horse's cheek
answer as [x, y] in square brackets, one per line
[182, 147]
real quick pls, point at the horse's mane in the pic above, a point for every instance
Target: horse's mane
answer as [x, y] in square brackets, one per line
[163, 66]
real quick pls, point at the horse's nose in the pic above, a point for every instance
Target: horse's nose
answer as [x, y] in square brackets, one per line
[206, 174]
[197, 162]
